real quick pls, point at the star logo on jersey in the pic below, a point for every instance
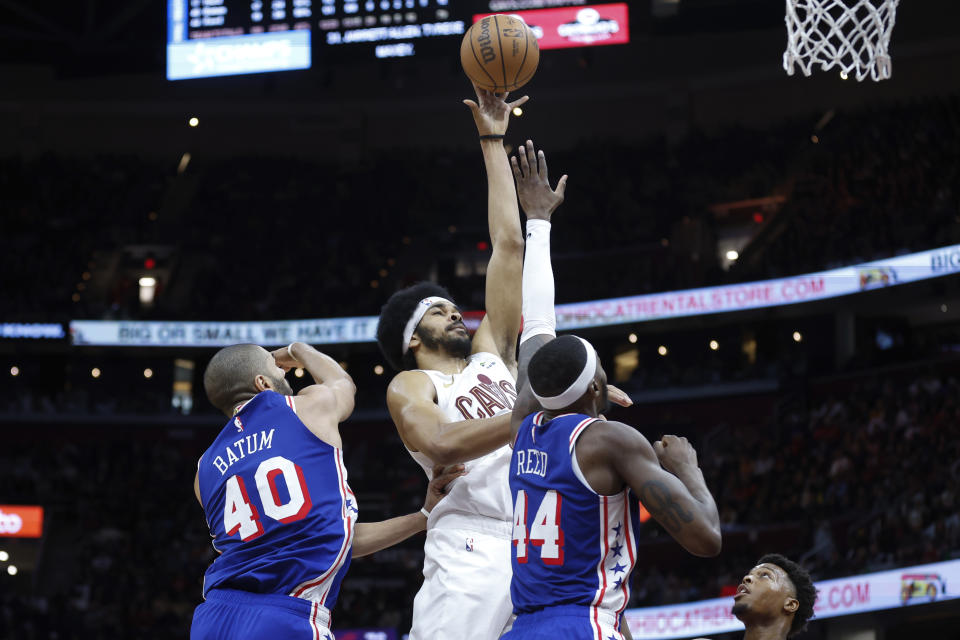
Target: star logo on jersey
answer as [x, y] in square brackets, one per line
[617, 584]
[238, 424]
[618, 528]
[617, 549]
[618, 568]
[351, 507]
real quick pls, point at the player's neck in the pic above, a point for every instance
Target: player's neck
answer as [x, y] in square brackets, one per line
[767, 630]
[441, 361]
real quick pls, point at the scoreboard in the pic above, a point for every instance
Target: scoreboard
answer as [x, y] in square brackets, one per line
[208, 38]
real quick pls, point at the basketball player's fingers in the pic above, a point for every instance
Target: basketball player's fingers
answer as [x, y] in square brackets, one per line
[542, 166]
[518, 102]
[472, 105]
[616, 395]
[531, 154]
[521, 152]
[658, 448]
[562, 189]
[516, 169]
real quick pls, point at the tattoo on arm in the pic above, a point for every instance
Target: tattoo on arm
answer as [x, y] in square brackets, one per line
[658, 500]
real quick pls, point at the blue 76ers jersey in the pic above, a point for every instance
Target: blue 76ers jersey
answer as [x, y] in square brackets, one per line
[278, 505]
[571, 546]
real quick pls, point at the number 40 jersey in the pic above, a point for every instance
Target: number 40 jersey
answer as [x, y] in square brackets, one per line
[572, 546]
[278, 505]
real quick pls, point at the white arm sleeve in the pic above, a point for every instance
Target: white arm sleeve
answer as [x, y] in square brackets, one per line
[539, 317]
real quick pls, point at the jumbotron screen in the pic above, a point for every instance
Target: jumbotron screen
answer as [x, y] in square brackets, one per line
[207, 38]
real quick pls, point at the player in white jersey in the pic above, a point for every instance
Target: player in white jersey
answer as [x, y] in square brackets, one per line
[451, 404]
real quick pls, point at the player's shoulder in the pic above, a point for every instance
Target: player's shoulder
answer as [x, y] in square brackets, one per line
[410, 384]
[485, 360]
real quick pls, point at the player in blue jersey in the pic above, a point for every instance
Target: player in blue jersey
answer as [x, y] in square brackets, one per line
[274, 491]
[574, 478]
[775, 599]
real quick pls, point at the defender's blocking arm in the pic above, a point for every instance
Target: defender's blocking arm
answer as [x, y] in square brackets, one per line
[371, 537]
[612, 453]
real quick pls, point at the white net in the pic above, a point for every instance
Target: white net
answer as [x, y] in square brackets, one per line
[851, 34]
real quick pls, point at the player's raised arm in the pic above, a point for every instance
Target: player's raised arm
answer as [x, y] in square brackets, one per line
[611, 453]
[498, 331]
[324, 405]
[371, 537]
[424, 427]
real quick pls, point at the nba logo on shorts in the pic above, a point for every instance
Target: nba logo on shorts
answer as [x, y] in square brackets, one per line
[469, 545]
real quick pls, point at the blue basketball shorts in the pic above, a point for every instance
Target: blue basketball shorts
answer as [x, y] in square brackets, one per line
[566, 622]
[232, 615]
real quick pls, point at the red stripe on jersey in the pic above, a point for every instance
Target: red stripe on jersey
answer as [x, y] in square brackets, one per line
[346, 543]
[576, 430]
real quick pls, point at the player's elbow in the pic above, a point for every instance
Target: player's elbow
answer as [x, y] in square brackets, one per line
[707, 543]
[442, 451]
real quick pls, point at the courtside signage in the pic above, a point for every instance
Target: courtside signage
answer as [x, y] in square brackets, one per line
[18, 521]
[219, 334]
[841, 597]
[578, 315]
[32, 330]
[765, 293]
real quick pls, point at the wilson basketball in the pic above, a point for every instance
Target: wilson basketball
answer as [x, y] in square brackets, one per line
[500, 53]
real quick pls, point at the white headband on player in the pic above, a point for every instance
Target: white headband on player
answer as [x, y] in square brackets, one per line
[579, 386]
[417, 316]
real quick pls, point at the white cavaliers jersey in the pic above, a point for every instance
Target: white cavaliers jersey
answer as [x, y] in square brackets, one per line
[485, 388]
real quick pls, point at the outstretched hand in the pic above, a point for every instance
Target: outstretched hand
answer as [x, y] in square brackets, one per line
[491, 112]
[442, 476]
[537, 199]
[284, 359]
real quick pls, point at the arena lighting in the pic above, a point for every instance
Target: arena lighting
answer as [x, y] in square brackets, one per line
[14, 371]
[815, 139]
[194, 121]
[632, 338]
[4, 556]
[298, 372]
[662, 350]
[714, 345]
[943, 308]
[95, 372]
[148, 373]
[797, 336]
[148, 289]
[732, 255]
[12, 569]
[843, 75]
[517, 111]
[378, 370]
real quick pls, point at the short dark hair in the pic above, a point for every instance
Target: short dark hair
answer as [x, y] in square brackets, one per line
[228, 379]
[556, 365]
[802, 584]
[393, 320]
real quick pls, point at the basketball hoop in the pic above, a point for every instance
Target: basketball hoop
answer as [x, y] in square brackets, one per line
[851, 34]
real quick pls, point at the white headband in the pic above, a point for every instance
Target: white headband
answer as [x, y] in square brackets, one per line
[417, 316]
[579, 386]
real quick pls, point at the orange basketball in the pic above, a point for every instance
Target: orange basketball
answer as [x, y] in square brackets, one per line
[500, 53]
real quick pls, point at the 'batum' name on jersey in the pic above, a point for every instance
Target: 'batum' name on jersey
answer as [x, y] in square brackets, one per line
[253, 444]
[532, 461]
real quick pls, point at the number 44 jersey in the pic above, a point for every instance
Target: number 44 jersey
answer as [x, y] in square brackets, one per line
[571, 545]
[278, 505]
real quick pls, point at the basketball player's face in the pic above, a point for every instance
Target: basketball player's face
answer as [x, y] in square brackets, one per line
[766, 592]
[442, 328]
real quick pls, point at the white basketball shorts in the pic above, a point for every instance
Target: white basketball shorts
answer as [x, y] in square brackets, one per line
[466, 587]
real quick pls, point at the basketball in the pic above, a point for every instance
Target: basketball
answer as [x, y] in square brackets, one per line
[500, 53]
